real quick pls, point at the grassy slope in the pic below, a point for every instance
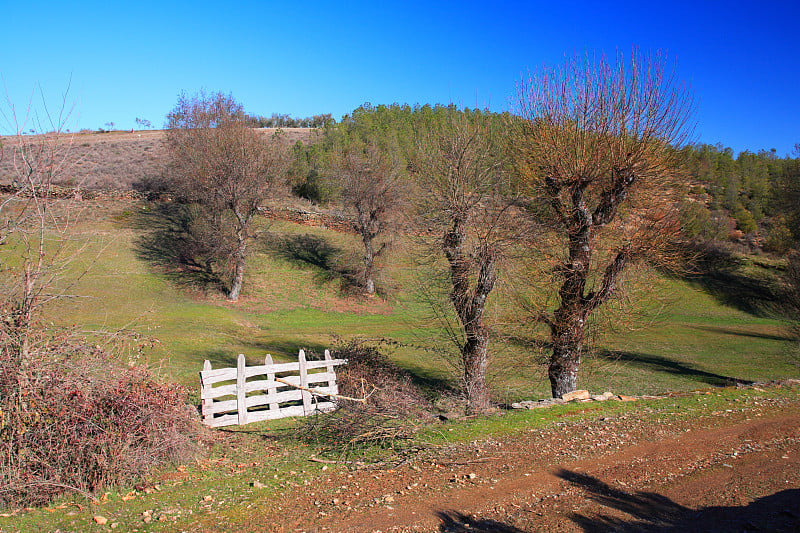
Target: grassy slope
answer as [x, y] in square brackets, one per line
[293, 300]
[290, 303]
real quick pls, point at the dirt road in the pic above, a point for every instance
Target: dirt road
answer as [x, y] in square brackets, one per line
[735, 470]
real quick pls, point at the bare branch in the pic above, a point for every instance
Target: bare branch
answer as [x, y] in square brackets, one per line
[220, 163]
[593, 134]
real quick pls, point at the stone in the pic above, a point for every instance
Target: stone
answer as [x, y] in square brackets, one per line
[576, 395]
[603, 397]
[101, 520]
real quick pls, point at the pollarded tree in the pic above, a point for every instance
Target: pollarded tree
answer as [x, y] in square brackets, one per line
[370, 183]
[220, 163]
[465, 201]
[597, 140]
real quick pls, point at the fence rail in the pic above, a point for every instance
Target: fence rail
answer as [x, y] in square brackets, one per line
[291, 384]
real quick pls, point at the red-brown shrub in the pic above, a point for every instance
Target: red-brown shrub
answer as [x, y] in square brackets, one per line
[86, 422]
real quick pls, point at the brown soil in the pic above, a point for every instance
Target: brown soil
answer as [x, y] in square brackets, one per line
[736, 470]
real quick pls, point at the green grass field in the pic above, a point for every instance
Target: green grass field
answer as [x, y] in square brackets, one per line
[294, 298]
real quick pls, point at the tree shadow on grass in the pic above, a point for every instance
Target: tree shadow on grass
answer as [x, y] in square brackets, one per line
[656, 363]
[290, 348]
[456, 522]
[653, 512]
[430, 384]
[739, 333]
[724, 276]
[283, 349]
[168, 245]
[310, 250]
[219, 358]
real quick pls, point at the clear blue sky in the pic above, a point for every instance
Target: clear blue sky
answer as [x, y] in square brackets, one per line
[132, 59]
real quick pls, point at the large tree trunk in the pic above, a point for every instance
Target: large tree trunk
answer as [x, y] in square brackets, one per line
[569, 320]
[369, 265]
[475, 358]
[238, 270]
[567, 340]
[469, 305]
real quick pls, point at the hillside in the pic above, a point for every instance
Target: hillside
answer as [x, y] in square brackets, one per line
[515, 470]
[295, 296]
[115, 160]
[709, 330]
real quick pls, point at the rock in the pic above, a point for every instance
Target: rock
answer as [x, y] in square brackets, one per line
[258, 485]
[537, 404]
[576, 395]
[603, 397]
[101, 520]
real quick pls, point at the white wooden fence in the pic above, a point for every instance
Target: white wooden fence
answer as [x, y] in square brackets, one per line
[288, 389]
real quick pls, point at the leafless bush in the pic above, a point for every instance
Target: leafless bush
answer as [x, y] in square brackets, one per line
[71, 419]
[78, 421]
[393, 410]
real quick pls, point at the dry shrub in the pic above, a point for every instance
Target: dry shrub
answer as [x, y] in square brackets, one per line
[73, 420]
[370, 372]
[394, 407]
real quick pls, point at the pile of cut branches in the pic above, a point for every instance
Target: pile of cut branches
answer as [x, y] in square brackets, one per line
[392, 411]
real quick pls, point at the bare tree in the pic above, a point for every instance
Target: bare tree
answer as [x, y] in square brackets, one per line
[220, 163]
[370, 184]
[596, 140]
[464, 200]
[36, 217]
[129, 421]
[143, 123]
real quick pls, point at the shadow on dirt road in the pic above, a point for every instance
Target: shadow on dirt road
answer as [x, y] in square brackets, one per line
[778, 512]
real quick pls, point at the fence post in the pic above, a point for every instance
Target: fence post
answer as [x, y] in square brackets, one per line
[206, 404]
[301, 359]
[329, 368]
[240, 390]
[272, 390]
